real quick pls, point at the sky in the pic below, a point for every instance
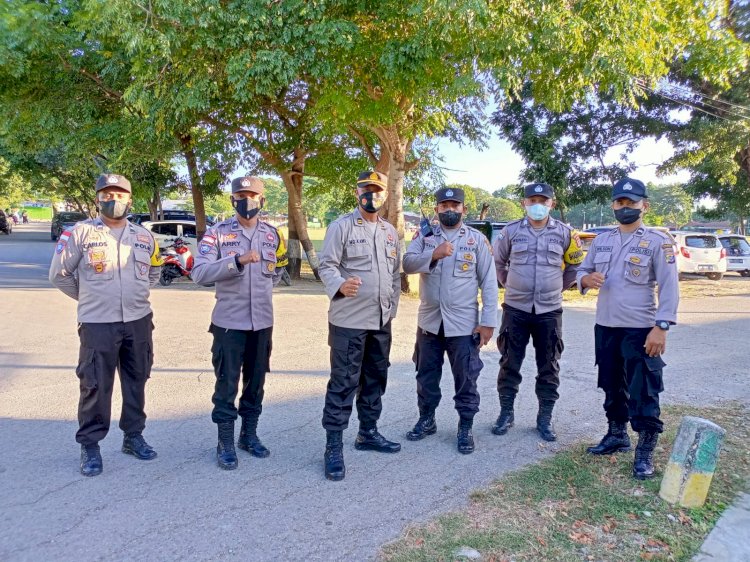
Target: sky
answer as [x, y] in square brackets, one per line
[498, 166]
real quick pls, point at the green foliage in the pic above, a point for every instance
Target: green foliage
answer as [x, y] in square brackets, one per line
[500, 208]
[670, 205]
[572, 150]
[321, 88]
[713, 143]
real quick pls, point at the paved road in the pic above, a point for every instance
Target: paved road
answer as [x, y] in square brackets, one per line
[181, 506]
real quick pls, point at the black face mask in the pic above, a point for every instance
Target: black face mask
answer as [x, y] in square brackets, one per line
[449, 219]
[114, 209]
[627, 215]
[372, 201]
[247, 208]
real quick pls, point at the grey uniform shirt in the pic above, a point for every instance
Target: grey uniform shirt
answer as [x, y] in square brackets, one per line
[243, 297]
[448, 288]
[633, 265]
[530, 265]
[110, 276]
[348, 250]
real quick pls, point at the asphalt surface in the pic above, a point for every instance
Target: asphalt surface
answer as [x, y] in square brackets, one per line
[181, 506]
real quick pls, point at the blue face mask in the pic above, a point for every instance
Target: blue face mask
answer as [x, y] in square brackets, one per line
[537, 211]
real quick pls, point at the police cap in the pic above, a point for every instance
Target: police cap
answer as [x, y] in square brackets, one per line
[449, 194]
[633, 189]
[113, 180]
[372, 178]
[248, 183]
[543, 189]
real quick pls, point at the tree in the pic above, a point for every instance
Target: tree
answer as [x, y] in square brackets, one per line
[425, 68]
[572, 150]
[670, 205]
[713, 145]
[251, 71]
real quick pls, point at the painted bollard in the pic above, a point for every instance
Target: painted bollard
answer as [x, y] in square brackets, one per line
[692, 462]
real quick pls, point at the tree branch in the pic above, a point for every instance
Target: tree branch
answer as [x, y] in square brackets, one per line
[365, 145]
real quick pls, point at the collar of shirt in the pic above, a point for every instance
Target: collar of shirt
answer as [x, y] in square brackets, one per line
[100, 226]
[359, 220]
[452, 233]
[551, 223]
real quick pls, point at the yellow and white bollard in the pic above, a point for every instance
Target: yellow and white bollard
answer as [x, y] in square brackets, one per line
[692, 462]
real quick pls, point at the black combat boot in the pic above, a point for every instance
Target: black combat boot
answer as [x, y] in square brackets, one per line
[334, 456]
[134, 444]
[544, 420]
[370, 440]
[91, 460]
[615, 441]
[643, 466]
[465, 437]
[505, 419]
[425, 426]
[249, 441]
[226, 456]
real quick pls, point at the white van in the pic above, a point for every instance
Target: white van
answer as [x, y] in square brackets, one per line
[738, 253]
[701, 253]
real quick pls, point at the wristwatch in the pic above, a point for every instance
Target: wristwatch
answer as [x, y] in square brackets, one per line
[663, 324]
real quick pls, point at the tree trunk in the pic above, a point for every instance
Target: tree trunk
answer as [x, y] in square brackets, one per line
[188, 151]
[298, 235]
[397, 149]
[154, 204]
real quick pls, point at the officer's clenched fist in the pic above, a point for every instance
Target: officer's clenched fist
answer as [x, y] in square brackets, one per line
[249, 257]
[442, 251]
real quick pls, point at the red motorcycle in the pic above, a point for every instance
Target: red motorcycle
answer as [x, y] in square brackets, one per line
[178, 262]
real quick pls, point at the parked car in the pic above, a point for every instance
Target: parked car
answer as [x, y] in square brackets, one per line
[138, 218]
[599, 229]
[6, 224]
[738, 253]
[166, 231]
[700, 253]
[63, 221]
[489, 228]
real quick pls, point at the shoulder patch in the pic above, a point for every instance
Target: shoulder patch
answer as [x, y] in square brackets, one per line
[63, 241]
[659, 233]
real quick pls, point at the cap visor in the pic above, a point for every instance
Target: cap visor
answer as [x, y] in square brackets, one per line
[365, 183]
[629, 196]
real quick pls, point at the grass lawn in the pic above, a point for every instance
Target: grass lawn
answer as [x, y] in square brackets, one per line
[39, 213]
[316, 236]
[574, 507]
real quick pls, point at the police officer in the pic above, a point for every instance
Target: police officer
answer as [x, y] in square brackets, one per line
[244, 256]
[630, 334]
[454, 263]
[359, 266]
[536, 259]
[108, 265]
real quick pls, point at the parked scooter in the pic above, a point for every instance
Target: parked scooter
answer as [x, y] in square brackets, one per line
[178, 262]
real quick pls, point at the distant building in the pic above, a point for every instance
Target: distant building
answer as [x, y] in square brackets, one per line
[717, 227]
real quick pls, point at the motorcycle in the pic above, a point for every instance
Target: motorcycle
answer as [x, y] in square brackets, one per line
[178, 262]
